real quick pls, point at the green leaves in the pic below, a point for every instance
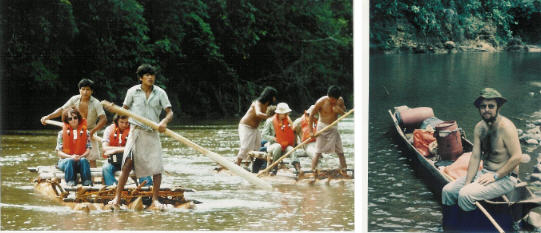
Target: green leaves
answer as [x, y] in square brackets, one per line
[210, 53]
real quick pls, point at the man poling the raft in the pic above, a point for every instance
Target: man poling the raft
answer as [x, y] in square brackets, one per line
[214, 156]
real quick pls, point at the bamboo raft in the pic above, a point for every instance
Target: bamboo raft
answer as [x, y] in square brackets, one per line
[50, 183]
[287, 176]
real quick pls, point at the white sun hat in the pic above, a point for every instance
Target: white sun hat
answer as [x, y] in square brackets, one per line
[282, 108]
[310, 109]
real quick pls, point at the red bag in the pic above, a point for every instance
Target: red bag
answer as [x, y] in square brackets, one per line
[459, 168]
[421, 139]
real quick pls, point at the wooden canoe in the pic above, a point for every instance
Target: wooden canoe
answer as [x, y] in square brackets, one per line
[50, 183]
[507, 209]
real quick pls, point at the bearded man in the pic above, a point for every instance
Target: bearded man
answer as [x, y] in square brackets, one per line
[495, 142]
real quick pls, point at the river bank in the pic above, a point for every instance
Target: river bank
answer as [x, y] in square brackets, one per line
[452, 47]
[455, 26]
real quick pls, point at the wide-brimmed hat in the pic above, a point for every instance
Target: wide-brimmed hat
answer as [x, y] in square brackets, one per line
[282, 108]
[310, 109]
[489, 93]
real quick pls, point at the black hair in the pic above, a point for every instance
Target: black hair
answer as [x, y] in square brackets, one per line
[145, 69]
[267, 94]
[117, 117]
[86, 83]
[334, 91]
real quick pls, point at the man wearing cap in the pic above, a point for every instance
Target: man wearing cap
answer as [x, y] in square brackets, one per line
[329, 107]
[496, 142]
[278, 131]
[303, 128]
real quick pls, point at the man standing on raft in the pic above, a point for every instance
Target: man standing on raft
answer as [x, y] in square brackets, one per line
[143, 150]
[250, 137]
[329, 107]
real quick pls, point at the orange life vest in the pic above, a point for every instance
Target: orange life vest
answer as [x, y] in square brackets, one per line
[284, 133]
[74, 144]
[306, 128]
[118, 138]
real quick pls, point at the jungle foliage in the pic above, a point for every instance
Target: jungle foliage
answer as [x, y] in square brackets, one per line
[433, 22]
[214, 57]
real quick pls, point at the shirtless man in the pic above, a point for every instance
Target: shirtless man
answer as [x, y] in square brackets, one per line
[250, 138]
[496, 143]
[328, 107]
[90, 108]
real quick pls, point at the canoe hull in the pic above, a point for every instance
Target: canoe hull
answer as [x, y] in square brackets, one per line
[505, 212]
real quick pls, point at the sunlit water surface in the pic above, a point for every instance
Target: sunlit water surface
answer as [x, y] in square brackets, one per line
[228, 202]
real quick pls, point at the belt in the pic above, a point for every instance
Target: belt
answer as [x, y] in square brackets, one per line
[144, 129]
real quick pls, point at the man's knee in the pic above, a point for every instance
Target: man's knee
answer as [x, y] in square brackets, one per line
[449, 195]
[466, 199]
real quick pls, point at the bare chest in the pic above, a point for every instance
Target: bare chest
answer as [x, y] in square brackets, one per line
[83, 109]
[493, 146]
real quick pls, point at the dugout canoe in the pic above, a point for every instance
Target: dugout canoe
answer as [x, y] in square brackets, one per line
[51, 184]
[507, 210]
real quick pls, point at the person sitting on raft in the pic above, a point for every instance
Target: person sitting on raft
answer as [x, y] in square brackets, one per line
[113, 142]
[302, 130]
[73, 146]
[278, 131]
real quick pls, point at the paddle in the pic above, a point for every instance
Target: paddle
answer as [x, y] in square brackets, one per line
[485, 212]
[219, 159]
[60, 124]
[304, 143]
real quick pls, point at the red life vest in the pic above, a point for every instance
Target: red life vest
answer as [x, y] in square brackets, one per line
[116, 134]
[306, 129]
[78, 145]
[284, 133]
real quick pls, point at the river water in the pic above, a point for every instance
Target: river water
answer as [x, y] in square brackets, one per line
[399, 199]
[228, 202]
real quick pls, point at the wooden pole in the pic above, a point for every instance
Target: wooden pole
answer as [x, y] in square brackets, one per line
[216, 157]
[60, 124]
[485, 212]
[304, 143]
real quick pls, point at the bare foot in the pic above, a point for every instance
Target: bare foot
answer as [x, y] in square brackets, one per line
[113, 204]
[344, 173]
[156, 205]
[300, 174]
[316, 174]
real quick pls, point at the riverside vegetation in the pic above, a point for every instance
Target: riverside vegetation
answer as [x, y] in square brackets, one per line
[417, 26]
[214, 56]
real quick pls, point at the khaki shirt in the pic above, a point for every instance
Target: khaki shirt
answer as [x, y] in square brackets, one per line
[150, 108]
[94, 109]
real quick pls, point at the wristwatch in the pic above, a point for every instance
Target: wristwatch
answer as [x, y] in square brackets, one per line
[496, 176]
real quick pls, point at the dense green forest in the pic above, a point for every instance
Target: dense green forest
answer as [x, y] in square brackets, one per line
[421, 26]
[214, 57]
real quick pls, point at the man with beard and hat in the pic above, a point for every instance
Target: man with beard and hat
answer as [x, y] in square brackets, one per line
[495, 142]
